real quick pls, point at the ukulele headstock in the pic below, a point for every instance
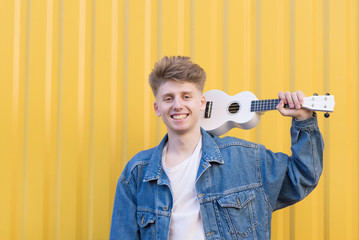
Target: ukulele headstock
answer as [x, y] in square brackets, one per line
[322, 103]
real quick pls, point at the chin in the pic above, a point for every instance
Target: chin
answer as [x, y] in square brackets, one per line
[183, 130]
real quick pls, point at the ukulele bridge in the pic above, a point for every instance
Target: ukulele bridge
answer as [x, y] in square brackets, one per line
[208, 111]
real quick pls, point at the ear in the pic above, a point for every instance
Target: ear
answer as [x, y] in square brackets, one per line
[157, 110]
[203, 103]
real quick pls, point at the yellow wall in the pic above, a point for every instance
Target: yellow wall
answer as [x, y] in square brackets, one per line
[75, 104]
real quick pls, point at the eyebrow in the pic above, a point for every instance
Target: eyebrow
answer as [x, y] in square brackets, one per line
[182, 93]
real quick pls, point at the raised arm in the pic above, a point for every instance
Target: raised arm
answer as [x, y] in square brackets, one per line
[289, 179]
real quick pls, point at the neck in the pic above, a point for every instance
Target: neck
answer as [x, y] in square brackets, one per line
[182, 146]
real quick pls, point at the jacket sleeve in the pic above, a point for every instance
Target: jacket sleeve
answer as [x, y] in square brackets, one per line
[124, 223]
[289, 179]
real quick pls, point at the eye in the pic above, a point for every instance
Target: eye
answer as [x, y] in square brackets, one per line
[187, 97]
[167, 99]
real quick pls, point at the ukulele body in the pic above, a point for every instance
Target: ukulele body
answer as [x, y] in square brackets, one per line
[227, 112]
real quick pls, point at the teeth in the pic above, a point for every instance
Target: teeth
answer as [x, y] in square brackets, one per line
[178, 117]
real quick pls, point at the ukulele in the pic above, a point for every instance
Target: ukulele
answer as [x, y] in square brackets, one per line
[243, 110]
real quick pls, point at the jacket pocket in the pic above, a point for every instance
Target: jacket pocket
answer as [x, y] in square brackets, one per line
[145, 218]
[237, 212]
[146, 222]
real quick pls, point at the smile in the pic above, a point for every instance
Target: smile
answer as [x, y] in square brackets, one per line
[179, 116]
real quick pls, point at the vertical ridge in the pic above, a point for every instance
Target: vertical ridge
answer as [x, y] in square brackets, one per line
[59, 130]
[292, 87]
[92, 127]
[326, 123]
[15, 118]
[147, 60]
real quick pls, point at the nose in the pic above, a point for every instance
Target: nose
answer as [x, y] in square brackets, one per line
[177, 104]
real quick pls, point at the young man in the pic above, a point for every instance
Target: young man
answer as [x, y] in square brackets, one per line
[197, 186]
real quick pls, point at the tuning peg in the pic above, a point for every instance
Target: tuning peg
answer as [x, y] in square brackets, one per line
[315, 94]
[326, 115]
[327, 94]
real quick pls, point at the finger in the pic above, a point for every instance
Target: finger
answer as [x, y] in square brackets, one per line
[286, 111]
[281, 95]
[288, 97]
[301, 96]
[296, 101]
[280, 104]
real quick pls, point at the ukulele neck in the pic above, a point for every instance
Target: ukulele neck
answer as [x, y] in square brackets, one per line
[264, 105]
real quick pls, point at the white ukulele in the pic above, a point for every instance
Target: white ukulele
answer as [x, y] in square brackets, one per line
[243, 110]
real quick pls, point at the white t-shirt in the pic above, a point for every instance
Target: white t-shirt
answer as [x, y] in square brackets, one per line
[186, 220]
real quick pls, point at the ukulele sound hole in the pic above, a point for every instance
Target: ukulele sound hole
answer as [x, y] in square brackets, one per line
[233, 108]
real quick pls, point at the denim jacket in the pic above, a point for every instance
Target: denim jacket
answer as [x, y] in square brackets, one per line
[239, 184]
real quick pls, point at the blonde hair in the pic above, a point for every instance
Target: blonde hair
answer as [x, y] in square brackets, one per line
[177, 68]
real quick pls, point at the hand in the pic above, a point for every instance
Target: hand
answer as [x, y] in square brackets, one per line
[294, 101]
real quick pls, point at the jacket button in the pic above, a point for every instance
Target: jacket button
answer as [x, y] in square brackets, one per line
[165, 208]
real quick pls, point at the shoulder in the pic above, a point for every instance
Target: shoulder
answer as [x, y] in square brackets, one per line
[220, 148]
[226, 142]
[138, 162]
[237, 158]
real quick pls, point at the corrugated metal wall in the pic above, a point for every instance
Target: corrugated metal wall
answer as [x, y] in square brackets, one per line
[75, 104]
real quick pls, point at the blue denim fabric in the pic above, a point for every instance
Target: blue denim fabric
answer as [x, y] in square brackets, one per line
[239, 185]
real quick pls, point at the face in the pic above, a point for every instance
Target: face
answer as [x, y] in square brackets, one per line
[180, 105]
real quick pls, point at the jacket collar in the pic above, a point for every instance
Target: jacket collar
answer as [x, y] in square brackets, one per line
[210, 153]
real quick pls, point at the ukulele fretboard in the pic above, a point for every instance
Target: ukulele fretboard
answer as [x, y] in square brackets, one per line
[264, 105]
